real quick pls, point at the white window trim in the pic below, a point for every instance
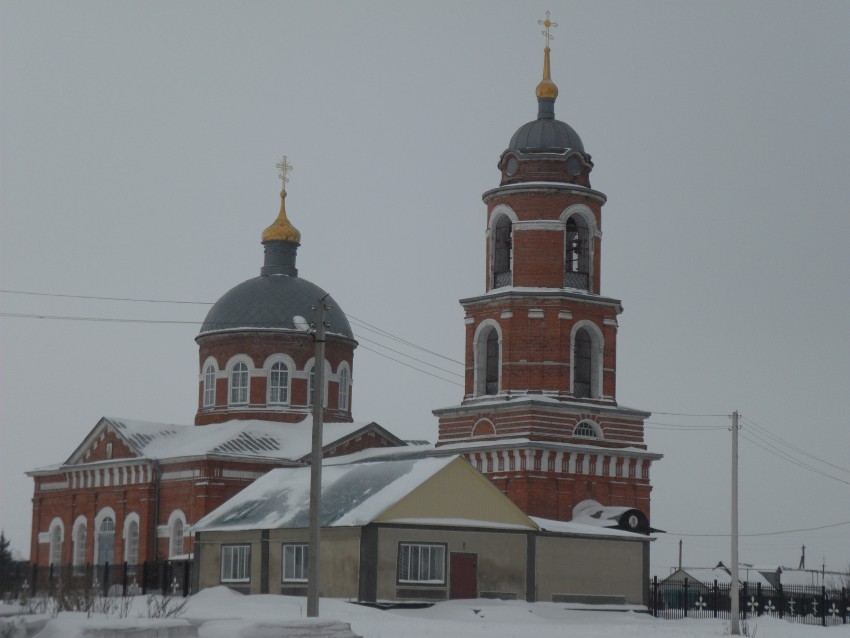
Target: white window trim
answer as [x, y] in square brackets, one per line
[132, 517]
[343, 404]
[249, 369]
[106, 512]
[176, 515]
[498, 212]
[78, 558]
[304, 549]
[597, 431]
[210, 362]
[289, 362]
[236, 546]
[419, 547]
[597, 350]
[479, 357]
[56, 523]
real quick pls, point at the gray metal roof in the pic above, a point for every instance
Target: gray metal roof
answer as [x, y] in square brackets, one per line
[271, 302]
[545, 134]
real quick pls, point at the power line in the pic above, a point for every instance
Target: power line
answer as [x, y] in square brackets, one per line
[381, 354]
[690, 414]
[765, 432]
[51, 294]
[785, 531]
[766, 446]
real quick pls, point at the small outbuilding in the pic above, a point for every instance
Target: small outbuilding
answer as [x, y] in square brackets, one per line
[412, 529]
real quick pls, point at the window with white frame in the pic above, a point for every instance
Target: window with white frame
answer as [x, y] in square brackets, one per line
[295, 562]
[279, 384]
[577, 253]
[175, 545]
[502, 252]
[131, 543]
[79, 546]
[582, 364]
[209, 386]
[56, 544]
[342, 403]
[235, 563]
[106, 541]
[487, 352]
[239, 384]
[585, 429]
[421, 563]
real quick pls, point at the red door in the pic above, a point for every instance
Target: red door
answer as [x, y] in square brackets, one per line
[464, 576]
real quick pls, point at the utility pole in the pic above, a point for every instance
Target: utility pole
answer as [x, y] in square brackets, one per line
[316, 463]
[735, 628]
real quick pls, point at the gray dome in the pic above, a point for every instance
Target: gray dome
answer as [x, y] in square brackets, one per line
[272, 302]
[545, 134]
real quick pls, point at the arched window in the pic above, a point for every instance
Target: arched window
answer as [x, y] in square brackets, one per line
[79, 544]
[209, 386]
[175, 546]
[131, 540]
[279, 384]
[585, 429]
[491, 380]
[577, 255]
[56, 542]
[342, 403]
[502, 252]
[487, 350]
[582, 364]
[239, 384]
[106, 541]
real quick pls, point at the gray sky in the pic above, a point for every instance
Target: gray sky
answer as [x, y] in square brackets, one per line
[138, 148]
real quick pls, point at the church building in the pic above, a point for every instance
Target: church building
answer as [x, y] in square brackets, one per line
[131, 490]
[539, 415]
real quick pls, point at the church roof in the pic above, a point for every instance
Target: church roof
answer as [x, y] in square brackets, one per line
[244, 439]
[273, 302]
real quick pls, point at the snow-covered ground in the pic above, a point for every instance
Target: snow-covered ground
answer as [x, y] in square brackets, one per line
[221, 613]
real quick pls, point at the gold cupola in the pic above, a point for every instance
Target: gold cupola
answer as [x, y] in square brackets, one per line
[282, 229]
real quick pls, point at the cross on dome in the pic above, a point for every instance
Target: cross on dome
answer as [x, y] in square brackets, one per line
[547, 23]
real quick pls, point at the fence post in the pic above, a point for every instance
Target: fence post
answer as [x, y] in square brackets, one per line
[34, 580]
[845, 602]
[758, 599]
[144, 578]
[186, 572]
[823, 604]
[655, 596]
[124, 572]
[687, 599]
[744, 606]
[781, 593]
[714, 598]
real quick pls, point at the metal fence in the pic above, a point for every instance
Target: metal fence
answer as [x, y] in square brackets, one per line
[801, 604]
[169, 577]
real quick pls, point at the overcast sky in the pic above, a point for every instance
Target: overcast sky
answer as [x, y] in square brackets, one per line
[139, 142]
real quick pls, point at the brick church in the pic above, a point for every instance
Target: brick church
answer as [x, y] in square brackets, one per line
[131, 490]
[539, 415]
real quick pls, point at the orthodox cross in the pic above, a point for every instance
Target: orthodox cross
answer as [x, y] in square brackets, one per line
[547, 23]
[285, 168]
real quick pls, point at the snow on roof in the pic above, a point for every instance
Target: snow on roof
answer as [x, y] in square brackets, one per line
[571, 527]
[250, 438]
[352, 495]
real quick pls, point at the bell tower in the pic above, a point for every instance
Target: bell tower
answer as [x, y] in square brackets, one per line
[539, 415]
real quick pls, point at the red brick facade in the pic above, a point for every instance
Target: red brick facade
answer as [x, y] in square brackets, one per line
[539, 416]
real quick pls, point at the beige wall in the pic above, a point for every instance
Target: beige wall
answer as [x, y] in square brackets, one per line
[501, 558]
[210, 563]
[339, 574]
[440, 497]
[589, 567]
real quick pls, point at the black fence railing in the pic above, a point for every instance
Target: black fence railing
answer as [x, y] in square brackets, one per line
[801, 604]
[169, 577]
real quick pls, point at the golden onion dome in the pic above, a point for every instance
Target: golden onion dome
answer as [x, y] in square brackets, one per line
[282, 229]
